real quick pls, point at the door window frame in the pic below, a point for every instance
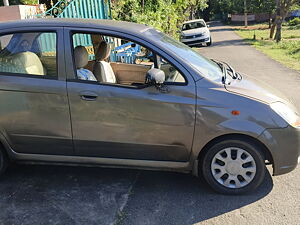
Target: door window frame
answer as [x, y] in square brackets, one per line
[71, 72]
[60, 55]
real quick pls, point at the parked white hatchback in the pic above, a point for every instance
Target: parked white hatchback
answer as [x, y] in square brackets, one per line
[195, 32]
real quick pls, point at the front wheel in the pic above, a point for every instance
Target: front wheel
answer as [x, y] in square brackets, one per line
[209, 43]
[233, 166]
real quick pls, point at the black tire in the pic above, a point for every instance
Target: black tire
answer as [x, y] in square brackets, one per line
[209, 43]
[3, 161]
[247, 146]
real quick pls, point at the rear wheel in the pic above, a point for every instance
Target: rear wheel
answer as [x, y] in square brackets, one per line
[233, 166]
[3, 161]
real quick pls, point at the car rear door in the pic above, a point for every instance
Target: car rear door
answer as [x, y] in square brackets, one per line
[34, 110]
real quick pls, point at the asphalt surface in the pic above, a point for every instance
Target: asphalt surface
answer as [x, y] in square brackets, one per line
[80, 195]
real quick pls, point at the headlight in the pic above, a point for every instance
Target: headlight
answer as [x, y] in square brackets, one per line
[286, 113]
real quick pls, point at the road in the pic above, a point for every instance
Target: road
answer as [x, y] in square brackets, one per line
[32, 194]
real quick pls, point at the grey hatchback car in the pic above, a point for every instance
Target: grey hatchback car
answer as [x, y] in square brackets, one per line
[108, 93]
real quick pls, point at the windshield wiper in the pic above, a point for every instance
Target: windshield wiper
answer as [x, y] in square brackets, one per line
[235, 75]
[239, 76]
[223, 68]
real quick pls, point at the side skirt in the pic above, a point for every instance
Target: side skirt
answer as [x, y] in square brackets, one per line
[102, 162]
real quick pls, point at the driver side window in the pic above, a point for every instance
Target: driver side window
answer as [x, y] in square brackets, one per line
[111, 60]
[172, 74]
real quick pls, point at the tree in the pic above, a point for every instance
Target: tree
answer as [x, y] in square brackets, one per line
[225, 7]
[29, 2]
[165, 15]
[195, 6]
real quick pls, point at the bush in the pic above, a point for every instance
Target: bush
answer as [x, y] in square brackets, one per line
[294, 22]
[292, 47]
[164, 15]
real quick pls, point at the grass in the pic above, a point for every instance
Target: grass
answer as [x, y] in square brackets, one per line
[286, 52]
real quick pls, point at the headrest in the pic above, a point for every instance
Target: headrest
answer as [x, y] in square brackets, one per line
[29, 62]
[81, 57]
[103, 51]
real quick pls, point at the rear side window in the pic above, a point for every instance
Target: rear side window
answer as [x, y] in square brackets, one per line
[31, 53]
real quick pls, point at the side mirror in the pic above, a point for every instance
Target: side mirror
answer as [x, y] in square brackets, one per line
[155, 76]
[207, 26]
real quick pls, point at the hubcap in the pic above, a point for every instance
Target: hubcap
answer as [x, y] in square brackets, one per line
[233, 167]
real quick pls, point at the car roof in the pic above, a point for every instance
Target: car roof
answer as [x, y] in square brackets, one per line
[191, 21]
[75, 22]
[147, 33]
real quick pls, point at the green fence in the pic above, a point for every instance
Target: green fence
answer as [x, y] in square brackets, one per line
[85, 9]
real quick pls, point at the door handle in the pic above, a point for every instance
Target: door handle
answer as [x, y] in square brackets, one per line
[88, 96]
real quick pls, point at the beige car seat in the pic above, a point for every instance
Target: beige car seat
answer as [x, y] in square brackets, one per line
[102, 69]
[81, 57]
[81, 60]
[24, 62]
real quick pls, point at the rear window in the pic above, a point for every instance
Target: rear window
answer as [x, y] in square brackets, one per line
[29, 53]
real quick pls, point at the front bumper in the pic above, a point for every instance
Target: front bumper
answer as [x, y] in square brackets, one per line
[196, 41]
[284, 146]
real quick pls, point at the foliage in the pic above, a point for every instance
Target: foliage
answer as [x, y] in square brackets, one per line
[295, 6]
[237, 6]
[21, 2]
[294, 22]
[29, 2]
[11, 2]
[164, 15]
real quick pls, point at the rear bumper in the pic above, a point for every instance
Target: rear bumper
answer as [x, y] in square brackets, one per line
[284, 146]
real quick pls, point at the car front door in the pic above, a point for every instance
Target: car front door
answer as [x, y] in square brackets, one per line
[113, 120]
[34, 108]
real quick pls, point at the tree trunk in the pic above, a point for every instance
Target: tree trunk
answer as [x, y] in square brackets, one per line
[192, 11]
[278, 21]
[245, 13]
[143, 5]
[278, 30]
[5, 2]
[272, 30]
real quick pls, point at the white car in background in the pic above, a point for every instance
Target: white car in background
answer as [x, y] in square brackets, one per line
[195, 32]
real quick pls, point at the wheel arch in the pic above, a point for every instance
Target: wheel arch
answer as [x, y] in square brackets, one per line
[243, 137]
[4, 145]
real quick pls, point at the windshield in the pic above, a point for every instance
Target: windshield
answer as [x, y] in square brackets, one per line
[193, 25]
[204, 66]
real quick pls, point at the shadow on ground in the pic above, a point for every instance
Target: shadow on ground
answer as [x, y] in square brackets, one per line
[215, 27]
[218, 29]
[62, 195]
[230, 43]
[79, 195]
[169, 198]
[233, 42]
